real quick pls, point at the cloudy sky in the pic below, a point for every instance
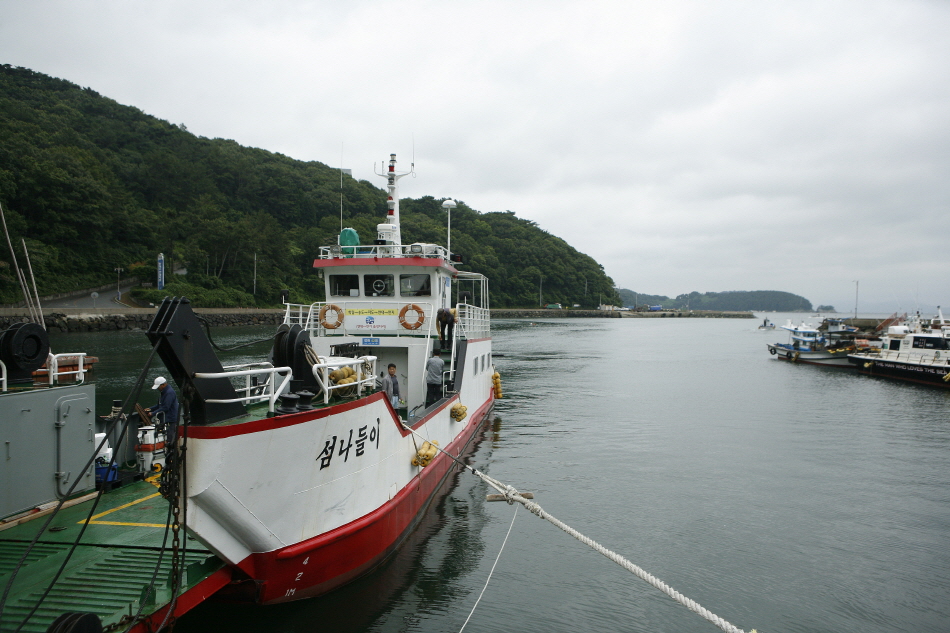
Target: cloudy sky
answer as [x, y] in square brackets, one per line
[709, 146]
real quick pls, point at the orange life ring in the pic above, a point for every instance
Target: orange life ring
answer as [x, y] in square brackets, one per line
[323, 316]
[402, 316]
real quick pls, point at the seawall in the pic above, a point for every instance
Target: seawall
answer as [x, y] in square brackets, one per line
[618, 314]
[118, 318]
[105, 319]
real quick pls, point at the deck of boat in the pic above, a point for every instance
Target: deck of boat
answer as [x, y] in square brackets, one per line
[111, 568]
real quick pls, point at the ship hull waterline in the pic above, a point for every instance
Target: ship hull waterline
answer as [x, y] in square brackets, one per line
[932, 375]
[823, 358]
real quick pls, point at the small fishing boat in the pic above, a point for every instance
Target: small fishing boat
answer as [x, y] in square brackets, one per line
[767, 325]
[917, 351]
[812, 346]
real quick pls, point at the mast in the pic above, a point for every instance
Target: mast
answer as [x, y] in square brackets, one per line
[389, 230]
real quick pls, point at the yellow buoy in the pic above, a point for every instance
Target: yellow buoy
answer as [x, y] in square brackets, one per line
[425, 454]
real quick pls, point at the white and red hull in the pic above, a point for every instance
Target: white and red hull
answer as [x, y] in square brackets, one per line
[303, 501]
[262, 498]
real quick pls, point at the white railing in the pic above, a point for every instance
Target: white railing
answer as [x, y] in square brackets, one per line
[474, 322]
[390, 250]
[364, 366]
[52, 367]
[269, 390]
[302, 314]
[362, 318]
[935, 357]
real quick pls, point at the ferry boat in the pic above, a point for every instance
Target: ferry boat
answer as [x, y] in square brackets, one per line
[918, 352]
[812, 346]
[299, 472]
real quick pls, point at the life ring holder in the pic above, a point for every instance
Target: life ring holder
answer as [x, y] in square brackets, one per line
[414, 308]
[323, 316]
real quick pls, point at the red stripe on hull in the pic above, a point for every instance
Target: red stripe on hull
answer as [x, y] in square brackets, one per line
[186, 601]
[277, 422]
[325, 562]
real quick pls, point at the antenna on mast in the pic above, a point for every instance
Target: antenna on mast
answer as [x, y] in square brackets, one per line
[341, 186]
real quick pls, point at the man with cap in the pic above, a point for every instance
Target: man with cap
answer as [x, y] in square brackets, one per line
[167, 404]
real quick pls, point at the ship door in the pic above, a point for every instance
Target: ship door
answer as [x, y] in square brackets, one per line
[399, 357]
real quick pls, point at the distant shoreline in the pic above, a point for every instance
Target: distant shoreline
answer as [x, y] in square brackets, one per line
[119, 318]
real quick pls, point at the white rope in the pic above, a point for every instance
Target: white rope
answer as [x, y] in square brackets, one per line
[492, 571]
[511, 494]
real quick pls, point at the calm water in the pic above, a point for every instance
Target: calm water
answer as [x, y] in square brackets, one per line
[781, 497]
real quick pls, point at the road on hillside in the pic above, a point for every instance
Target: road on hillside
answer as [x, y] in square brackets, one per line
[106, 299]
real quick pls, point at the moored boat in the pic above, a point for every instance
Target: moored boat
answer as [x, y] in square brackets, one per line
[812, 346]
[306, 475]
[917, 351]
[72, 556]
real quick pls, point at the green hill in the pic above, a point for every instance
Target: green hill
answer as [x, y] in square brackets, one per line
[736, 300]
[93, 185]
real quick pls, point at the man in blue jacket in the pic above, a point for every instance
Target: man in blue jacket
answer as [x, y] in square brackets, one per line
[167, 405]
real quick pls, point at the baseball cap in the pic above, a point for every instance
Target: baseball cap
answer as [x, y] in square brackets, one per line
[159, 381]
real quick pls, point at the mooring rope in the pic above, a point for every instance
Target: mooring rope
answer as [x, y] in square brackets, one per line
[512, 495]
[491, 571]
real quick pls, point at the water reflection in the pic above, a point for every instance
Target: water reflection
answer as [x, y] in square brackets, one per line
[784, 497]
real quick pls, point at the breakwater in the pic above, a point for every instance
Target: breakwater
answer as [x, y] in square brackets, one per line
[106, 319]
[116, 318]
[618, 314]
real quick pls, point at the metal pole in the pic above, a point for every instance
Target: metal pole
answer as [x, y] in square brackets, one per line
[36, 293]
[16, 268]
[855, 299]
[255, 272]
[448, 205]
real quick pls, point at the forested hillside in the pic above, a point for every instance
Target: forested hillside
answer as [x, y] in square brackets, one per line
[761, 300]
[93, 185]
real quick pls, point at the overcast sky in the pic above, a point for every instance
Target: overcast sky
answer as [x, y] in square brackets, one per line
[707, 146]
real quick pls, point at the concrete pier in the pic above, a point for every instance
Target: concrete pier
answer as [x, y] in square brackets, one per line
[617, 314]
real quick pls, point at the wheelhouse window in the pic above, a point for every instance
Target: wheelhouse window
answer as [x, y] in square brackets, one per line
[344, 285]
[415, 286]
[929, 342]
[379, 285]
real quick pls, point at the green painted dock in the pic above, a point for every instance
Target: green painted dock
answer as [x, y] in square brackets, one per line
[111, 568]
